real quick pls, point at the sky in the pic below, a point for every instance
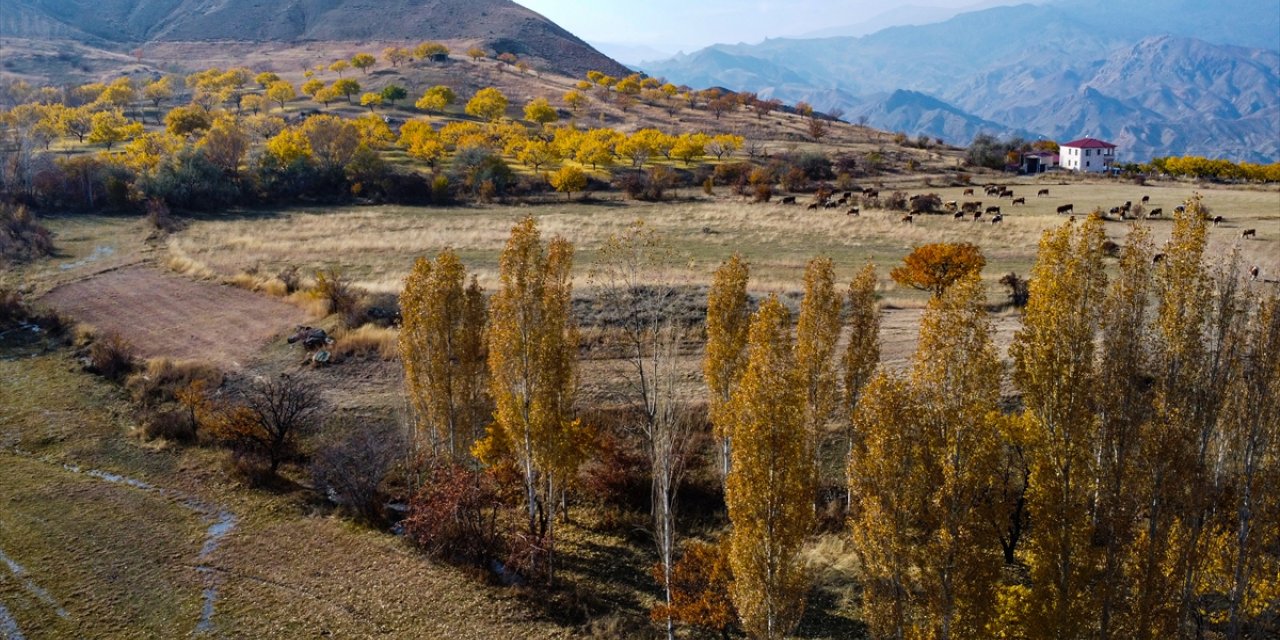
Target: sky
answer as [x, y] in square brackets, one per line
[687, 25]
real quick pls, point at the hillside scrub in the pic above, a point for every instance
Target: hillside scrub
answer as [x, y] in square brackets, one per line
[22, 238]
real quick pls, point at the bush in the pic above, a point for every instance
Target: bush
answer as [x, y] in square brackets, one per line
[21, 237]
[455, 516]
[333, 287]
[350, 472]
[111, 357]
[164, 378]
[700, 587]
[174, 425]
[268, 419]
[1019, 289]
[896, 201]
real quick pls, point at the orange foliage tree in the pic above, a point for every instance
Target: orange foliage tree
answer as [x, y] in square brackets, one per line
[934, 267]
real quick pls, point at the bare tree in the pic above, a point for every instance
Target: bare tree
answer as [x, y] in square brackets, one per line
[281, 409]
[639, 280]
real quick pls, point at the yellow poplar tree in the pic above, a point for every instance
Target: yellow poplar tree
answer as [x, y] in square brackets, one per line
[728, 323]
[770, 489]
[956, 375]
[442, 347]
[862, 354]
[532, 367]
[885, 484]
[817, 332]
[1054, 367]
[1124, 411]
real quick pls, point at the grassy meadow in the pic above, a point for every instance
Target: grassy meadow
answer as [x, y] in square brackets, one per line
[376, 245]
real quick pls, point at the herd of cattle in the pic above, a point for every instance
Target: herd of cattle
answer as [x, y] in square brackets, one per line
[974, 210]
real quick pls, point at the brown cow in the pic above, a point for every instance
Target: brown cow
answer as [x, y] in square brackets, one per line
[908, 218]
[1043, 193]
[1253, 273]
[789, 200]
[995, 210]
[1249, 233]
[1022, 201]
[968, 192]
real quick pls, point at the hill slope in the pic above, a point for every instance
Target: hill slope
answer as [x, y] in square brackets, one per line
[500, 25]
[1062, 69]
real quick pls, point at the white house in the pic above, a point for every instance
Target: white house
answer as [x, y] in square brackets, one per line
[1087, 154]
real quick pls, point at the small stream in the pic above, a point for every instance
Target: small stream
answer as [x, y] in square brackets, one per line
[221, 523]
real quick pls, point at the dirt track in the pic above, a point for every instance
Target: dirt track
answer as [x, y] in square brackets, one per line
[165, 315]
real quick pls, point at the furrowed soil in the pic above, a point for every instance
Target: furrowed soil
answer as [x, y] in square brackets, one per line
[171, 316]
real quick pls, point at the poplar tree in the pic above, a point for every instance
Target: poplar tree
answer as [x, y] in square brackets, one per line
[817, 332]
[1124, 413]
[728, 323]
[639, 280]
[1054, 367]
[956, 373]
[442, 347]
[861, 355]
[532, 367]
[769, 490]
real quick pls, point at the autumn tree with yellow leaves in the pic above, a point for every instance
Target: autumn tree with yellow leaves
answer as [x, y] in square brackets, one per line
[1055, 368]
[934, 267]
[728, 324]
[817, 332]
[862, 353]
[770, 488]
[443, 350]
[532, 370]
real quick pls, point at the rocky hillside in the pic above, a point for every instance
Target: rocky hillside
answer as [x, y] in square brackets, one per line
[1162, 78]
[501, 25]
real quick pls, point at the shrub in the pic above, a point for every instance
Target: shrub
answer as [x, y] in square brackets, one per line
[112, 357]
[333, 287]
[350, 472]
[21, 237]
[159, 218]
[896, 201]
[700, 584]
[174, 425]
[268, 419]
[1019, 289]
[12, 310]
[455, 516]
[927, 203]
[163, 378]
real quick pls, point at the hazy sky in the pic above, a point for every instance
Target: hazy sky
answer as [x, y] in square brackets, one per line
[671, 25]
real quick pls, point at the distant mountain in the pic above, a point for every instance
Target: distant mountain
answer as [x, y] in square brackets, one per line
[908, 14]
[1161, 77]
[500, 24]
[630, 54]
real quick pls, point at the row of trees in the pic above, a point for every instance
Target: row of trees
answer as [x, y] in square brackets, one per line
[1132, 485]
[1219, 169]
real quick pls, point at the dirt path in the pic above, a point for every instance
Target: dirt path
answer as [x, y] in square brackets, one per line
[165, 315]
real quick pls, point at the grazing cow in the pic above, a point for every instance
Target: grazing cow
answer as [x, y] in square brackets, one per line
[997, 219]
[1021, 201]
[813, 206]
[1155, 213]
[853, 211]
[1146, 199]
[1180, 209]
[951, 205]
[831, 205]
[846, 195]
[971, 206]
[908, 218]
[977, 215]
[873, 194]
[1006, 193]
[789, 200]
[1066, 208]
[995, 210]
[1157, 258]
[1253, 273]
[842, 202]
[1217, 220]
[968, 192]
[1116, 211]
[1043, 193]
[959, 215]
[1249, 233]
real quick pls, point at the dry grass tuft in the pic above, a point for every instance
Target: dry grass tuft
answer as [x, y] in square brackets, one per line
[162, 378]
[368, 340]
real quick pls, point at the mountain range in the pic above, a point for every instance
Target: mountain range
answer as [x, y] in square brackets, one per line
[501, 25]
[1158, 78]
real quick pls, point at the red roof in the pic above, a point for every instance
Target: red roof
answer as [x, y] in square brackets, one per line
[1089, 143]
